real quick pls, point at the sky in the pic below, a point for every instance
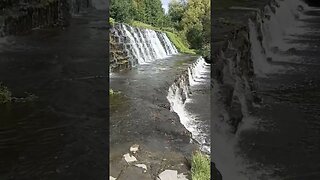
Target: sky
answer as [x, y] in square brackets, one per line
[165, 5]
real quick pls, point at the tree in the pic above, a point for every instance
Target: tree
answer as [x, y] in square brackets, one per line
[196, 22]
[176, 11]
[121, 10]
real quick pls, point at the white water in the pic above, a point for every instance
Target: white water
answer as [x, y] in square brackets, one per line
[182, 94]
[275, 30]
[144, 45]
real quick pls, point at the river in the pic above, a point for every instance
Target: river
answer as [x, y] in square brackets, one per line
[61, 134]
[279, 137]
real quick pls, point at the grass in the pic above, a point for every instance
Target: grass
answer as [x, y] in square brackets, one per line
[5, 94]
[181, 45]
[200, 166]
[112, 21]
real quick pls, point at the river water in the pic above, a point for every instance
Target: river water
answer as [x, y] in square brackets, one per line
[145, 91]
[279, 138]
[62, 134]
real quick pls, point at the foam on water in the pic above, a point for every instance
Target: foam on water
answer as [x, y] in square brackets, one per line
[280, 21]
[275, 28]
[180, 95]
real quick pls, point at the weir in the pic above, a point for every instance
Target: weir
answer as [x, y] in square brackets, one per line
[259, 124]
[139, 46]
[183, 92]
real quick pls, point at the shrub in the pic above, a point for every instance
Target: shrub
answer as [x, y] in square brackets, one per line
[200, 167]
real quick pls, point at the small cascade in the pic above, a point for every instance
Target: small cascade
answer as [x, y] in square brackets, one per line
[182, 93]
[269, 32]
[143, 45]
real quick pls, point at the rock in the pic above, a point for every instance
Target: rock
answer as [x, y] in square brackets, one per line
[129, 158]
[112, 178]
[182, 177]
[143, 166]
[134, 173]
[134, 148]
[168, 175]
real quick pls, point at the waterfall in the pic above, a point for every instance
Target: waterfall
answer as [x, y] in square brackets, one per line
[181, 93]
[143, 45]
[269, 31]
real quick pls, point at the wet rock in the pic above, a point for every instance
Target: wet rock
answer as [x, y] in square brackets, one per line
[168, 175]
[143, 166]
[134, 148]
[129, 158]
[112, 178]
[182, 177]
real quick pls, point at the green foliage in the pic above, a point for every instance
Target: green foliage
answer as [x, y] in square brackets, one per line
[140, 24]
[179, 43]
[176, 11]
[205, 51]
[147, 11]
[200, 167]
[192, 19]
[196, 22]
[121, 10]
[187, 23]
[112, 21]
[5, 94]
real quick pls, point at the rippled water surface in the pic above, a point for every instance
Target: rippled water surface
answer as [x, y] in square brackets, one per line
[63, 133]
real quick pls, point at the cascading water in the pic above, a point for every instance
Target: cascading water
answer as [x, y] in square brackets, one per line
[274, 34]
[188, 97]
[143, 45]
[269, 33]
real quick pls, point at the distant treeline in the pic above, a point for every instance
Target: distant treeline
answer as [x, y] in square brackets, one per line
[189, 18]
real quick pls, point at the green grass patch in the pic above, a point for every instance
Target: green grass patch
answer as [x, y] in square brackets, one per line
[112, 21]
[181, 45]
[140, 24]
[200, 166]
[5, 94]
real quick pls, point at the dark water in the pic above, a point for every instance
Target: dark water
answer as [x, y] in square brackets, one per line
[144, 115]
[283, 140]
[63, 133]
[145, 89]
[141, 114]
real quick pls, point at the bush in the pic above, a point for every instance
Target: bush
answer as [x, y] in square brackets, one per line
[200, 167]
[5, 94]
